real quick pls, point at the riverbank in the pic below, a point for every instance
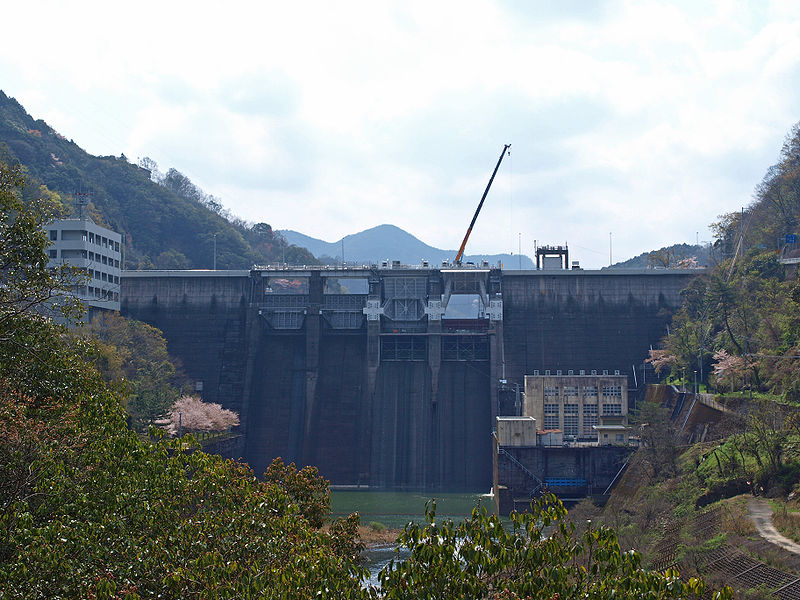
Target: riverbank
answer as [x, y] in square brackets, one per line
[376, 538]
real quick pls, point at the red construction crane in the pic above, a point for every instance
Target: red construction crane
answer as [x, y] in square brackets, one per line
[480, 205]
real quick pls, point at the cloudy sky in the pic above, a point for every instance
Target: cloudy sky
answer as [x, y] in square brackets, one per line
[644, 120]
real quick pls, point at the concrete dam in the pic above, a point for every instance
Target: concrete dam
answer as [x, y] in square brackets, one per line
[361, 372]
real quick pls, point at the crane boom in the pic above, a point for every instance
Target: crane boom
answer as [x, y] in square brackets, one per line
[480, 205]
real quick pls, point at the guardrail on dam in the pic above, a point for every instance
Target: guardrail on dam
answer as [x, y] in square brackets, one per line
[361, 372]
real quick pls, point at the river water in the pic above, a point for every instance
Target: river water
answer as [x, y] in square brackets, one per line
[395, 509]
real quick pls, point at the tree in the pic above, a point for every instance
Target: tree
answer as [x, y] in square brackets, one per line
[663, 258]
[728, 369]
[133, 355]
[689, 262]
[661, 360]
[539, 556]
[306, 488]
[191, 415]
[27, 286]
[660, 449]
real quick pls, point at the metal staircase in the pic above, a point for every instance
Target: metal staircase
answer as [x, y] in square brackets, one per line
[539, 483]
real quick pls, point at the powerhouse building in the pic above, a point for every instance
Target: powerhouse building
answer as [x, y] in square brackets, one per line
[583, 407]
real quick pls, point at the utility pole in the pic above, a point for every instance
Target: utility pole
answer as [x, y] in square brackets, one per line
[741, 232]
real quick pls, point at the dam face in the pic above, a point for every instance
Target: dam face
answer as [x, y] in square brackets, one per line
[362, 373]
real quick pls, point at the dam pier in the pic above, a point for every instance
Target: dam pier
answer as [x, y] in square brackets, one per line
[370, 373]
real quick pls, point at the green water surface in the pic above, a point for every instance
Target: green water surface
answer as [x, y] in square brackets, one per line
[395, 509]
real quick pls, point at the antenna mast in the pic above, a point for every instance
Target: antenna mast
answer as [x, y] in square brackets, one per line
[81, 201]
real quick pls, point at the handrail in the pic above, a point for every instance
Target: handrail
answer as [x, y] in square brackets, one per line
[524, 469]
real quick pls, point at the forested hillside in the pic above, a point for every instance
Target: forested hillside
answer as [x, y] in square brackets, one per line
[168, 223]
[739, 327]
[675, 256]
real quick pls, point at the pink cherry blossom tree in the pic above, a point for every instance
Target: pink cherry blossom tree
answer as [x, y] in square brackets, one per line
[191, 415]
[728, 368]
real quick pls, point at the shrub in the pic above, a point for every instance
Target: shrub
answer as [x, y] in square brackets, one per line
[377, 526]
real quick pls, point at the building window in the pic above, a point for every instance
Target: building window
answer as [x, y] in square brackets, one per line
[549, 392]
[551, 421]
[612, 409]
[105, 260]
[620, 438]
[116, 246]
[612, 391]
[571, 425]
[589, 419]
[588, 422]
[570, 409]
[54, 234]
[53, 253]
[590, 391]
[116, 264]
[570, 390]
[91, 238]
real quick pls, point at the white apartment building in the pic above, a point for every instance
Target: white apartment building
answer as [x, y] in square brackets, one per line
[587, 408]
[96, 251]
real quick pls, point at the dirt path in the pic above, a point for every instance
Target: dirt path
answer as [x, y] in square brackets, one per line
[761, 514]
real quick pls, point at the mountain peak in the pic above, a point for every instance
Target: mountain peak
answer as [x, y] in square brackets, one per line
[389, 242]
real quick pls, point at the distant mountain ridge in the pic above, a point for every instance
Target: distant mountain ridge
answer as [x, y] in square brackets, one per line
[389, 242]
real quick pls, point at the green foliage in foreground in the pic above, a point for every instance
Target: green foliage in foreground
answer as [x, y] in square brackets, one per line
[539, 556]
[88, 509]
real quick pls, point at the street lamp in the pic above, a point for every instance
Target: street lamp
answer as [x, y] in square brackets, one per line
[215, 252]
